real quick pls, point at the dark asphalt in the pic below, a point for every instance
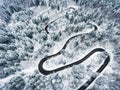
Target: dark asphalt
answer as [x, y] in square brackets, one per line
[86, 84]
[57, 19]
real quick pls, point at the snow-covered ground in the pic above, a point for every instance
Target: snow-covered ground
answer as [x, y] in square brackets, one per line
[24, 42]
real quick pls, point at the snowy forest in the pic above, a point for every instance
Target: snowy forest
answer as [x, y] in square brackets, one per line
[59, 44]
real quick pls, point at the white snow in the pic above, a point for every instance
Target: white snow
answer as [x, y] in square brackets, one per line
[69, 55]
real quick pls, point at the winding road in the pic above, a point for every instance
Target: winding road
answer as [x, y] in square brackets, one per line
[88, 82]
[46, 27]
[84, 86]
[47, 72]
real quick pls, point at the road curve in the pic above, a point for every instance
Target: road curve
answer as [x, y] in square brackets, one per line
[84, 86]
[57, 19]
[47, 72]
[88, 82]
